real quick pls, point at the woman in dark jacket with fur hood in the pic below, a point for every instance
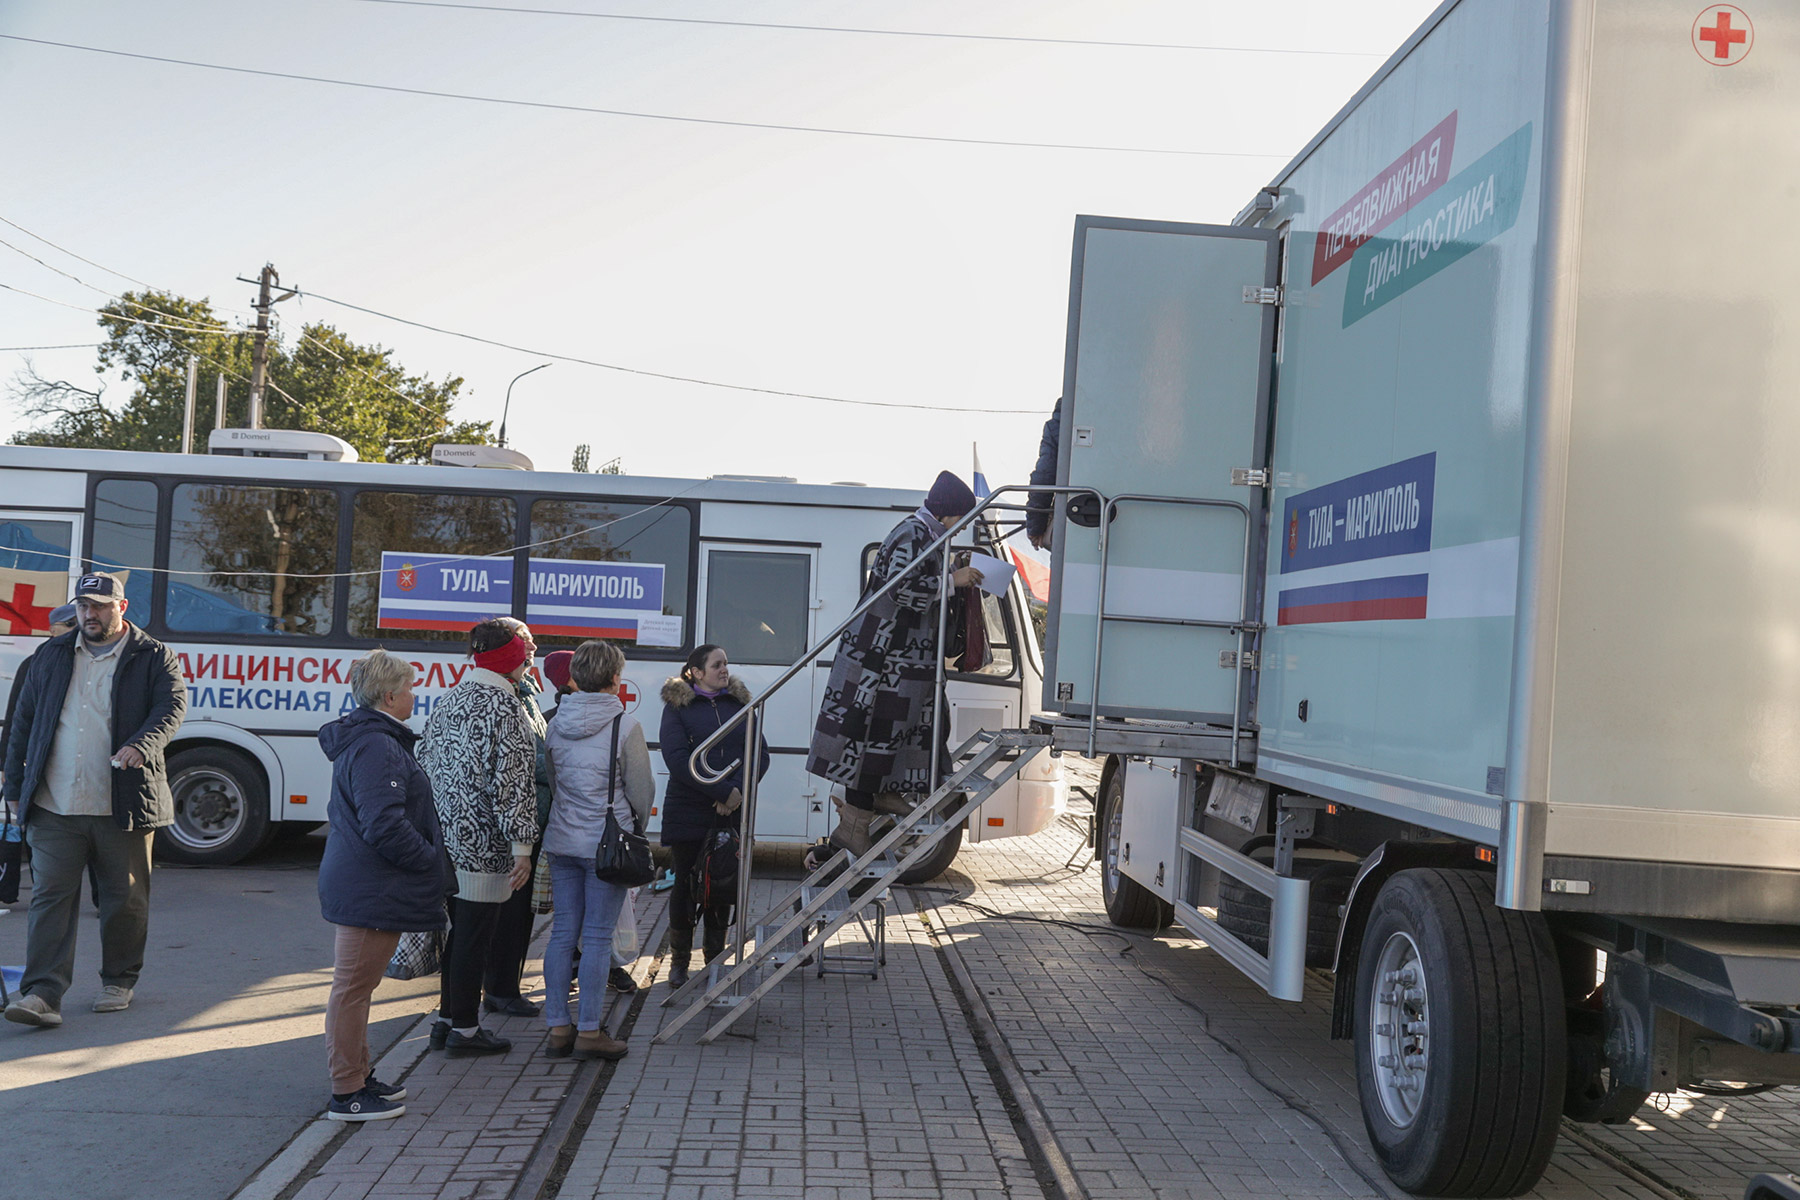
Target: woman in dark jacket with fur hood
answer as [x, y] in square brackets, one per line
[695, 703]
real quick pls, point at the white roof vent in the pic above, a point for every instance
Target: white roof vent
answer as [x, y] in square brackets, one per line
[280, 443]
[446, 455]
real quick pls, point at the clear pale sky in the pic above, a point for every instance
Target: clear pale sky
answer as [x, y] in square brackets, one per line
[877, 269]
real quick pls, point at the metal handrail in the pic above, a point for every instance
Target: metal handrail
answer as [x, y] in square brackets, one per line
[1243, 624]
[748, 715]
[696, 763]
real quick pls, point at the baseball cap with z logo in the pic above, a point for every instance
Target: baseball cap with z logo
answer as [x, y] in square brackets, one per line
[108, 589]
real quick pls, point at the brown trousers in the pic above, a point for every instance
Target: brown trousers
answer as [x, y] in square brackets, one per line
[358, 959]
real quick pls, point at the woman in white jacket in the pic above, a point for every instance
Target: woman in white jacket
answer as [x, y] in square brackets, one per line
[590, 770]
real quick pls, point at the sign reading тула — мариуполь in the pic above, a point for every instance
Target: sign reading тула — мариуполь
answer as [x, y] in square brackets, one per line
[566, 596]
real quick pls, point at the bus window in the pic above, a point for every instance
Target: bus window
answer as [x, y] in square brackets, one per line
[598, 531]
[993, 614]
[125, 537]
[27, 544]
[250, 559]
[452, 523]
[757, 605]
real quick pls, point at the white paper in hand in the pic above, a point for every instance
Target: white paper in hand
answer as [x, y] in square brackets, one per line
[995, 573]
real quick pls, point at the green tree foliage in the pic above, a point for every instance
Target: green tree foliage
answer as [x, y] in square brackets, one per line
[319, 380]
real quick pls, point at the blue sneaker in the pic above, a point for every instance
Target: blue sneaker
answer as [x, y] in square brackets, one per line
[386, 1091]
[364, 1106]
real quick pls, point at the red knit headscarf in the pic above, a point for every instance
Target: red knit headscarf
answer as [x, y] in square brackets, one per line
[505, 658]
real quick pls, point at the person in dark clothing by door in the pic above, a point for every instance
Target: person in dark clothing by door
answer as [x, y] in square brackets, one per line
[1038, 505]
[695, 703]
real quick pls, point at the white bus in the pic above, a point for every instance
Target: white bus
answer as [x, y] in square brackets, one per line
[269, 576]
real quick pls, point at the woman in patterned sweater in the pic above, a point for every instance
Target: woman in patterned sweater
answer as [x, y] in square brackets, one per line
[480, 751]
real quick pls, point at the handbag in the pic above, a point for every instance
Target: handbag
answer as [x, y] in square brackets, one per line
[12, 858]
[541, 897]
[713, 882]
[623, 856]
[418, 954]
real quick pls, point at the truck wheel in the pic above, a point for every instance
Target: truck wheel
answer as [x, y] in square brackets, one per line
[221, 808]
[1128, 903]
[1244, 911]
[1460, 1039]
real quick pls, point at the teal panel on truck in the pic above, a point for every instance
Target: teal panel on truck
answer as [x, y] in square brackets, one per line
[1165, 386]
[1398, 455]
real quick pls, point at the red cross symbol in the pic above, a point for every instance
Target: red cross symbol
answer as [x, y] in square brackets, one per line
[627, 694]
[20, 614]
[1729, 43]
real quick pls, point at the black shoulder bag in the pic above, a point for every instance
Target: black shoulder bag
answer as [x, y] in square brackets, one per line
[623, 856]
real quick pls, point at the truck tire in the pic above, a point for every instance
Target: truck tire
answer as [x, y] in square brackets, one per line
[1460, 1038]
[1129, 904]
[1244, 911]
[221, 808]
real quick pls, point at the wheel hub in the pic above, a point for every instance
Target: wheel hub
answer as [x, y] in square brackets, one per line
[1400, 1029]
[208, 807]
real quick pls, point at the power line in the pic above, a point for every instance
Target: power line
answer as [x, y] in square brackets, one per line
[64, 250]
[171, 321]
[449, 333]
[912, 33]
[304, 336]
[64, 346]
[588, 362]
[646, 116]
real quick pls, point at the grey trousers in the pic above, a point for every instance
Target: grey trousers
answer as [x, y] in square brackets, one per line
[61, 850]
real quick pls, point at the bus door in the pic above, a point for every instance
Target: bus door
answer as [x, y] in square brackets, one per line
[991, 697]
[39, 562]
[758, 600]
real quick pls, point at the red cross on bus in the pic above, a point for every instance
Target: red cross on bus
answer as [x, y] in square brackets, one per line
[1723, 35]
[627, 694]
[22, 615]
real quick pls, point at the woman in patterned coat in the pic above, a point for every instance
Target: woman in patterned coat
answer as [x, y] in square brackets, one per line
[873, 734]
[480, 752]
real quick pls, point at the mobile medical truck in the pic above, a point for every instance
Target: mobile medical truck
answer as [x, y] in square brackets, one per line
[1437, 615]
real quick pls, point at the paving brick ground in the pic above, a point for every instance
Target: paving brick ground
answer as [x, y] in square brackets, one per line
[1154, 1067]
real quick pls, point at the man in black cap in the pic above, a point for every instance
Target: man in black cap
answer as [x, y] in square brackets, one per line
[873, 734]
[84, 768]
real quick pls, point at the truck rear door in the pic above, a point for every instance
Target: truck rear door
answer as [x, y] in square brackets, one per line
[1166, 394]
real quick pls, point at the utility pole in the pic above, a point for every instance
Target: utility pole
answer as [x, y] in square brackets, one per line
[259, 369]
[187, 419]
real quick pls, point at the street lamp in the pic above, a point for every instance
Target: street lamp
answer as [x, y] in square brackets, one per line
[508, 408]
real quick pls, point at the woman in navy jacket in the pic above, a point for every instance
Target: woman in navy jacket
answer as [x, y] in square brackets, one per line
[383, 873]
[695, 703]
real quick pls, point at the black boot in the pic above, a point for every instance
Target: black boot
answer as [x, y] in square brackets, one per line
[713, 943]
[681, 948]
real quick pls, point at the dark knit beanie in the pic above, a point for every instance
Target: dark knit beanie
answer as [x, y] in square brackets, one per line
[949, 497]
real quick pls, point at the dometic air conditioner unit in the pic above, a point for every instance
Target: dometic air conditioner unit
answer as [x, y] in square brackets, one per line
[280, 443]
[446, 455]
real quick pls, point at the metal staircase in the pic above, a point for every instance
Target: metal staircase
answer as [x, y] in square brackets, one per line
[796, 929]
[800, 924]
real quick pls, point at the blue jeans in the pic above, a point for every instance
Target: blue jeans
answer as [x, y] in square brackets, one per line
[586, 911]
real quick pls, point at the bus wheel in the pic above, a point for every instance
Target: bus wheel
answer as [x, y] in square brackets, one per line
[221, 808]
[1128, 903]
[938, 861]
[1460, 1041]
